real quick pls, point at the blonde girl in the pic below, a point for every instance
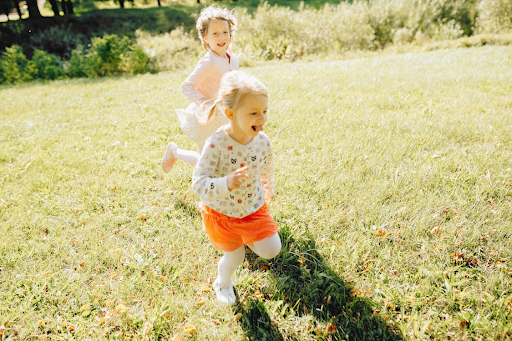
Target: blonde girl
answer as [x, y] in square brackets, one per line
[215, 27]
[234, 177]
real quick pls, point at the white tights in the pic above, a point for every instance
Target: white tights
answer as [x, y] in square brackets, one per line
[266, 248]
[189, 156]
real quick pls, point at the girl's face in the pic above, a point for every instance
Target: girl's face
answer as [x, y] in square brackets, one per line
[218, 36]
[248, 118]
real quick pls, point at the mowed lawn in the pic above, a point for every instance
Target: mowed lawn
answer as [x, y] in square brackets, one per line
[394, 198]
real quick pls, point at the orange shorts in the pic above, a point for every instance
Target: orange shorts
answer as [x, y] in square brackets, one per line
[228, 234]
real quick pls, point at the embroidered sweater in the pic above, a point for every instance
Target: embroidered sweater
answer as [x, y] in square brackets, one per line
[222, 156]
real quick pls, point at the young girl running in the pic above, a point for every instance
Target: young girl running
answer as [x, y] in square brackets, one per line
[233, 178]
[215, 27]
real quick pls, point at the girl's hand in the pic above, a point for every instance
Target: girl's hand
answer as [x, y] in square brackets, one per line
[269, 195]
[235, 179]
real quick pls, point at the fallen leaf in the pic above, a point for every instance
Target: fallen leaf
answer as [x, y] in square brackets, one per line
[121, 308]
[190, 329]
[205, 288]
[436, 229]
[85, 307]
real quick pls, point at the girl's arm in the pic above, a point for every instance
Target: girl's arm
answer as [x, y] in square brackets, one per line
[267, 174]
[204, 184]
[197, 77]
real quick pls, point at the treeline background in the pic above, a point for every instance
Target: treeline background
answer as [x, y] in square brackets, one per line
[113, 41]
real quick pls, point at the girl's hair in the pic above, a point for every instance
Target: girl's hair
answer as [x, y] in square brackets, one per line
[233, 86]
[214, 12]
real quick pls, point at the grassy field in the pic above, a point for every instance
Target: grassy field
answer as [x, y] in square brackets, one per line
[394, 198]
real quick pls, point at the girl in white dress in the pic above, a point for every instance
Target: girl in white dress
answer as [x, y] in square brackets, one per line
[215, 27]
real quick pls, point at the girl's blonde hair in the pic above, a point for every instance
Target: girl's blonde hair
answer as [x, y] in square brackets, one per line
[214, 12]
[233, 86]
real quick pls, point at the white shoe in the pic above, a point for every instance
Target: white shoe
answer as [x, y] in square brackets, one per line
[168, 160]
[225, 292]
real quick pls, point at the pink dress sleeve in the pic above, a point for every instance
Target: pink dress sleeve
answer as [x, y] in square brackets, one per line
[190, 87]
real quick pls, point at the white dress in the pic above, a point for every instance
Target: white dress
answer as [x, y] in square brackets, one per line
[201, 87]
[193, 122]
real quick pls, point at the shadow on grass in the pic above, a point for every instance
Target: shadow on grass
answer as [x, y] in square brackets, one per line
[189, 209]
[311, 288]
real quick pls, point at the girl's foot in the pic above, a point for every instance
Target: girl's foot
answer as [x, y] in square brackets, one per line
[225, 292]
[169, 159]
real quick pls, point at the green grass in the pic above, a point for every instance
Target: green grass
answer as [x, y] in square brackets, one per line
[394, 198]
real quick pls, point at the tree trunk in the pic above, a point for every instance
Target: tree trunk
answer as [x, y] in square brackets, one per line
[18, 9]
[70, 7]
[67, 7]
[121, 3]
[55, 8]
[33, 10]
[159, 4]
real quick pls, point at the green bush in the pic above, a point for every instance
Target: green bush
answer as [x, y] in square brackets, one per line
[494, 16]
[76, 67]
[170, 51]
[386, 18]
[15, 67]
[136, 61]
[274, 32]
[105, 55]
[47, 66]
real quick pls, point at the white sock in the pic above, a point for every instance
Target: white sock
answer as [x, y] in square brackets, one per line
[189, 156]
[225, 293]
[228, 264]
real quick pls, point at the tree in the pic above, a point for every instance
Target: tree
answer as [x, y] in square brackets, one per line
[55, 8]
[67, 7]
[33, 10]
[17, 6]
[6, 6]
